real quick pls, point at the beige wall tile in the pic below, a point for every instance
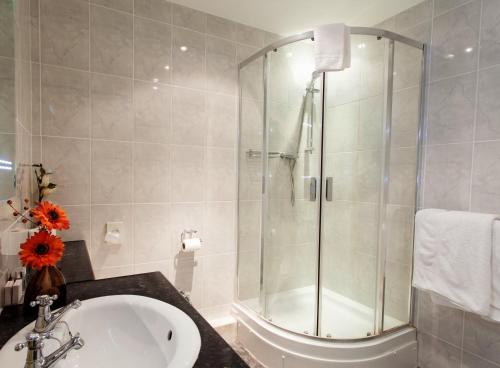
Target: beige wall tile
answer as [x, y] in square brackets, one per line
[447, 176]
[221, 27]
[189, 117]
[112, 107]
[188, 58]
[79, 218]
[152, 50]
[65, 33]
[152, 228]
[485, 180]
[7, 96]
[111, 172]
[219, 280]
[111, 42]
[221, 173]
[222, 120]
[154, 9]
[219, 227]
[249, 35]
[152, 105]
[151, 173]
[188, 174]
[188, 18]
[69, 159]
[124, 5]
[65, 102]
[221, 66]
[7, 29]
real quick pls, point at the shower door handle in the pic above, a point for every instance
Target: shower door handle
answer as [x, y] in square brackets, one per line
[329, 189]
[312, 189]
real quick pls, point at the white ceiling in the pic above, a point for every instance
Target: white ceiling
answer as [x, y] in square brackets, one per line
[291, 16]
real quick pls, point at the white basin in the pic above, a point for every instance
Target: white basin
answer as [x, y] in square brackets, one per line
[122, 331]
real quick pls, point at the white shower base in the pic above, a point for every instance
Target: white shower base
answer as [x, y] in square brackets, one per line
[341, 317]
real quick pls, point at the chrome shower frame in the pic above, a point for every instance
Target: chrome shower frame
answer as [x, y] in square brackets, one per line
[382, 248]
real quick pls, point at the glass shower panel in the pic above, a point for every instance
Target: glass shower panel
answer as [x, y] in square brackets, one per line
[293, 154]
[402, 182]
[353, 160]
[250, 163]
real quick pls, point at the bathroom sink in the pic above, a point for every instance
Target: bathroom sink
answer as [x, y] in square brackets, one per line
[122, 331]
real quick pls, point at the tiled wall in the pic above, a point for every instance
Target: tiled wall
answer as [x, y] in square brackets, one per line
[462, 158]
[15, 112]
[135, 110]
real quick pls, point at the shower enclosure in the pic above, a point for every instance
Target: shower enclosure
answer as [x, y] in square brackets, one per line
[328, 176]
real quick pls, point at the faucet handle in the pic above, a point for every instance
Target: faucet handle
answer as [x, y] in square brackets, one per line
[43, 300]
[33, 340]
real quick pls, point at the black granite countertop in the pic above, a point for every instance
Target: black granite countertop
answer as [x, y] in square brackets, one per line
[214, 353]
[75, 263]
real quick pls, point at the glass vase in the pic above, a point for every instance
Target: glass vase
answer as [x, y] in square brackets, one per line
[49, 280]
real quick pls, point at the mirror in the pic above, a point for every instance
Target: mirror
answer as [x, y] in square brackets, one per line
[7, 102]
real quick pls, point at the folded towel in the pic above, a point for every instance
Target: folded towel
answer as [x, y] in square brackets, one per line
[332, 47]
[453, 258]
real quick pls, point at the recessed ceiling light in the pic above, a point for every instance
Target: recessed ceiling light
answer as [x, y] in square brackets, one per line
[469, 49]
[183, 48]
[167, 67]
[450, 56]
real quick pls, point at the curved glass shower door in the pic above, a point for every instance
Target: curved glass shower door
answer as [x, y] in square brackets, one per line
[327, 181]
[353, 166]
[292, 185]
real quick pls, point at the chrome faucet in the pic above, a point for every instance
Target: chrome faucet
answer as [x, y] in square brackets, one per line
[35, 357]
[44, 326]
[47, 320]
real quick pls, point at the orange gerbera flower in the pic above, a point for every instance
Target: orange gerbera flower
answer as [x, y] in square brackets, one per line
[42, 249]
[50, 216]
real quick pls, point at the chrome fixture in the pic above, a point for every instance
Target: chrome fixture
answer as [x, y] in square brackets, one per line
[46, 320]
[44, 326]
[257, 154]
[34, 343]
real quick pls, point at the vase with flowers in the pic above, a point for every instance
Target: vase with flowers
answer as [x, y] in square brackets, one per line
[41, 252]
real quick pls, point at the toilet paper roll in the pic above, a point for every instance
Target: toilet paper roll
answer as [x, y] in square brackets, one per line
[191, 244]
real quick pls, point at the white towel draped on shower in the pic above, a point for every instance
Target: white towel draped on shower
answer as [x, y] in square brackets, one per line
[455, 259]
[332, 47]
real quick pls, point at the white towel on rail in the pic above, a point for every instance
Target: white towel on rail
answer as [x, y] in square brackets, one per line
[332, 47]
[495, 276]
[453, 257]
